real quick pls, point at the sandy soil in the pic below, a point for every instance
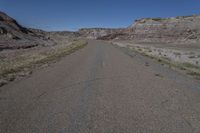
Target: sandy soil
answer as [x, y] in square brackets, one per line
[186, 56]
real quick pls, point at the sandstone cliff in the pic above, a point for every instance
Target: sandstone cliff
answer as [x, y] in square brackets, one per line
[95, 33]
[180, 29]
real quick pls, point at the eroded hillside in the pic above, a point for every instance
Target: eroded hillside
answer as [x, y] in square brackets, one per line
[184, 29]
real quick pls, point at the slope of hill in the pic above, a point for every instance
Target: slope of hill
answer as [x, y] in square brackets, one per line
[185, 29]
[23, 49]
[95, 33]
[9, 25]
[179, 29]
[15, 36]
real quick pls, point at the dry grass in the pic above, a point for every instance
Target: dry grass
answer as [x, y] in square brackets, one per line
[188, 68]
[23, 64]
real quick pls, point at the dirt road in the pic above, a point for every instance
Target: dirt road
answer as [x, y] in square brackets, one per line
[101, 89]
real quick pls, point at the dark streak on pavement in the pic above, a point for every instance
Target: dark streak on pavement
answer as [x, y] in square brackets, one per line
[101, 89]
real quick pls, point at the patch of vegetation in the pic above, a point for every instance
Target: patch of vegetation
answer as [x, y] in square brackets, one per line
[194, 73]
[191, 53]
[159, 60]
[191, 69]
[61, 52]
[26, 64]
[188, 65]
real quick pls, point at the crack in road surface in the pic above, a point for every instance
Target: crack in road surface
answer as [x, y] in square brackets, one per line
[101, 89]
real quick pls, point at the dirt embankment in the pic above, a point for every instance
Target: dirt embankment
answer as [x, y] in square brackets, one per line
[182, 57]
[22, 49]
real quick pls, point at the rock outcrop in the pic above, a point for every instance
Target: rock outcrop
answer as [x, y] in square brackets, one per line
[184, 29]
[8, 24]
[15, 36]
[177, 29]
[95, 33]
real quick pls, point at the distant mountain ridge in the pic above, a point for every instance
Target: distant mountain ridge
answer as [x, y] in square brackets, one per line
[185, 29]
[177, 29]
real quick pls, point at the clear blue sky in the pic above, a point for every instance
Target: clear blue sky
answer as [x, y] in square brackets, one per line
[75, 14]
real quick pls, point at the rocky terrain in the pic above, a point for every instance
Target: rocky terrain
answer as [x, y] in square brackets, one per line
[20, 46]
[184, 29]
[21, 49]
[15, 36]
[95, 33]
[173, 42]
[125, 87]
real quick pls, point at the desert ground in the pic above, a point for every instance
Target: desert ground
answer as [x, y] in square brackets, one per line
[141, 79]
[19, 63]
[182, 57]
[101, 88]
